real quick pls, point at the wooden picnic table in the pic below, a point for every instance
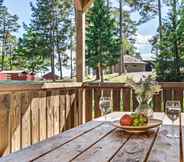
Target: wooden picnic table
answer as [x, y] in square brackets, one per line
[99, 141]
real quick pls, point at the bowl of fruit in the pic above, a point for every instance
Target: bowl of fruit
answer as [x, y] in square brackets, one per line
[136, 123]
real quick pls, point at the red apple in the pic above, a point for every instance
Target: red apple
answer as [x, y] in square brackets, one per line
[126, 120]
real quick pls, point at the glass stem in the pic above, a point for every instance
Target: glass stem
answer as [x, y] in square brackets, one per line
[173, 131]
[105, 116]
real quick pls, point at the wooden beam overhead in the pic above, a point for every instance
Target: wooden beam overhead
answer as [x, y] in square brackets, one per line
[83, 5]
[78, 5]
[87, 4]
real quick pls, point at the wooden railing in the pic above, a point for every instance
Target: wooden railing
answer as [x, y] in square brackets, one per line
[120, 95]
[33, 112]
[30, 113]
[124, 99]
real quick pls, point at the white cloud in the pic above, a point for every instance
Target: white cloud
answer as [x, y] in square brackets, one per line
[142, 39]
[143, 46]
[148, 56]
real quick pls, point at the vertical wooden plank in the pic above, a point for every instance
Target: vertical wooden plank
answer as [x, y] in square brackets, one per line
[15, 122]
[167, 95]
[88, 104]
[50, 119]
[43, 115]
[134, 100]
[72, 106]
[157, 102]
[76, 109]
[26, 119]
[62, 110]
[68, 112]
[53, 112]
[178, 95]
[106, 92]
[116, 99]
[35, 127]
[126, 99]
[97, 94]
[81, 105]
[4, 123]
[55, 107]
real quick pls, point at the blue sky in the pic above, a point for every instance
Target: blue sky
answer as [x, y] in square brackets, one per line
[23, 10]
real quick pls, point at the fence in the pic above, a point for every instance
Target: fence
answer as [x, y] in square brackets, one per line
[30, 113]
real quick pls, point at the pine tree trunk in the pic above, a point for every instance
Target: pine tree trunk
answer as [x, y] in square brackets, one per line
[59, 61]
[122, 66]
[52, 43]
[33, 70]
[60, 66]
[51, 49]
[108, 4]
[58, 51]
[177, 58]
[97, 73]
[110, 69]
[160, 19]
[113, 69]
[101, 74]
[158, 49]
[71, 64]
[2, 57]
[3, 46]
[71, 58]
[10, 61]
[88, 71]
[52, 63]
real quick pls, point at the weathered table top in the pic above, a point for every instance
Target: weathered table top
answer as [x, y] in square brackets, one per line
[99, 141]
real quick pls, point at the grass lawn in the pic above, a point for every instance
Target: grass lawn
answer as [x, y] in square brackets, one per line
[116, 78]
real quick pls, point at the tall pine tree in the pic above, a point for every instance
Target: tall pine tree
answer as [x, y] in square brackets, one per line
[31, 53]
[102, 44]
[170, 61]
[8, 26]
[51, 19]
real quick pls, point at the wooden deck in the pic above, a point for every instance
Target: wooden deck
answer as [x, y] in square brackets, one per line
[99, 141]
[30, 113]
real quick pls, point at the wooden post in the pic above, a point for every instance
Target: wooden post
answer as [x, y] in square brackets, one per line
[81, 6]
[80, 51]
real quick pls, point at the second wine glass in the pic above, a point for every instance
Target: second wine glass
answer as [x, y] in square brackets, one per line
[173, 110]
[105, 106]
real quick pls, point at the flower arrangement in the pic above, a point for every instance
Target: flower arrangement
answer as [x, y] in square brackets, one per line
[145, 87]
[144, 90]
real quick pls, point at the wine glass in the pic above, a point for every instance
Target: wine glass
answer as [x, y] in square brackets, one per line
[173, 110]
[105, 105]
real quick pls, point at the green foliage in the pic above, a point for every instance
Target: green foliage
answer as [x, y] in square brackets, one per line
[170, 61]
[31, 52]
[102, 43]
[11, 46]
[8, 26]
[129, 29]
[147, 9]
[128, 47]
[52, 20]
